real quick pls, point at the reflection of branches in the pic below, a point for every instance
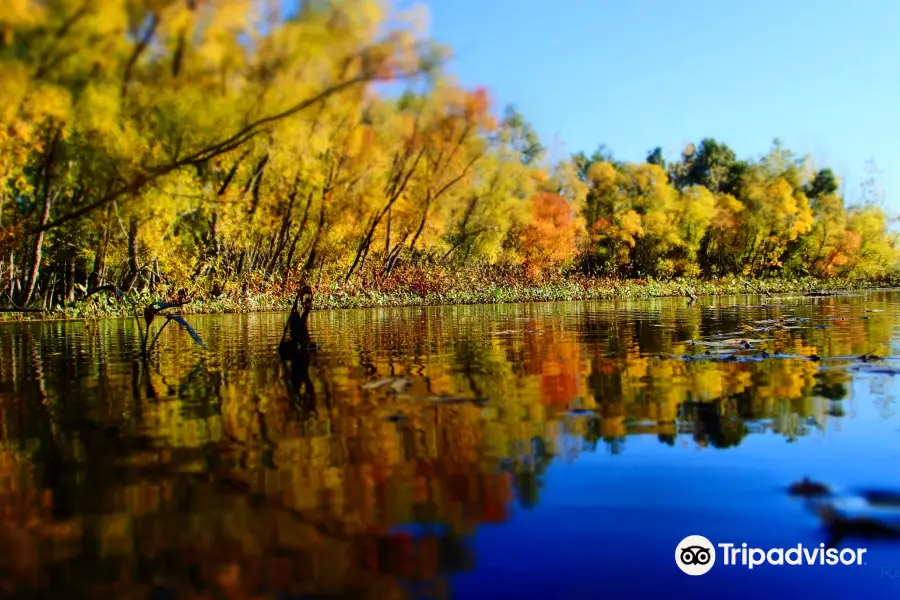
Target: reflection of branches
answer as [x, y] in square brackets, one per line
[711, 425]
[190, 377]
[528, 477]
[421, 372]
[54, 467]
[136, 378]
[184, 382]
[149, 313]
[467, 356]
[365, 362]
[140, 378]
[184, 324]
[296, 376]
[592, 434]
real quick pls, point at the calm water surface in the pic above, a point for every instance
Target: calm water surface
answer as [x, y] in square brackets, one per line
[516, 451]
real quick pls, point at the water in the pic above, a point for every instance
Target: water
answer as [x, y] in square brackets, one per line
[506, 452]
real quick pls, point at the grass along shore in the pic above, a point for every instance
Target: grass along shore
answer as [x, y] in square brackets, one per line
[438, 290]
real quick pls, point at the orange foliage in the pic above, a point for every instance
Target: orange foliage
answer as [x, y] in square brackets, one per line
[477, 103]
[551, 236]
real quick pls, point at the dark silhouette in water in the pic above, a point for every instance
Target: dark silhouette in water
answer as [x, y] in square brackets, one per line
[296, 363]
[879, 520]
[149, 313]
[867, 514]
[295, 348]
[296, 331]
[154, 309]
[808, 488]
[712, 425]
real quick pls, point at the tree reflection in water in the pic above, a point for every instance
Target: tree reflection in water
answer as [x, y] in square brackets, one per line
[235, 474]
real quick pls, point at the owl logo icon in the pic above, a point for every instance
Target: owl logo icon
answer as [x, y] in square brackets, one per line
[695, 555]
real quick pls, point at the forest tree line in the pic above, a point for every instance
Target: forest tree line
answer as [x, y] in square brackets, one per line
[211, 147]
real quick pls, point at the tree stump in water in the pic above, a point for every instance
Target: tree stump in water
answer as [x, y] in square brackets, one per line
[295, 337]
[295, 348]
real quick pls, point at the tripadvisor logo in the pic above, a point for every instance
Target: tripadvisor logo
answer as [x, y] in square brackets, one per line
[696, 555]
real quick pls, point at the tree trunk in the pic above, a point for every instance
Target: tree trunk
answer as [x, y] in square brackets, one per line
[47, 168]
[36, 253]
[290, 256]
[313, 249]
[70, 279]
[412, 244]
[48, 293]
[100, 256]
[12, 275]
[133, 266]
[387, 237]
[393, 255]
[363, 245]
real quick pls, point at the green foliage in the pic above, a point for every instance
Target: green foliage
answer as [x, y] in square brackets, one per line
[824, 183]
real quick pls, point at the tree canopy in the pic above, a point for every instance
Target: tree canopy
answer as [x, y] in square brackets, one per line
[210, 147]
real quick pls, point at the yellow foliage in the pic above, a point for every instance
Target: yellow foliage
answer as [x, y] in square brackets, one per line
[631, 227]
[231, 148]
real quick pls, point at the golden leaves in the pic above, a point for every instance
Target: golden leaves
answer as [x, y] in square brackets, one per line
[18, 14]
[46, 102]
[630, 226]
[210, 88]
[727, 210]
[360, 140]
[602, 174]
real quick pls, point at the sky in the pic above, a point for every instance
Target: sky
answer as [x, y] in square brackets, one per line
[821, 75]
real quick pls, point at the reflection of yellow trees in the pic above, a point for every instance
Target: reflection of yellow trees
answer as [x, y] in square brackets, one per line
[554, 358]
[206, 460]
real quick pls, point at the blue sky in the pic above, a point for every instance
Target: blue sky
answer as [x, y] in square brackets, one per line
[822, 75]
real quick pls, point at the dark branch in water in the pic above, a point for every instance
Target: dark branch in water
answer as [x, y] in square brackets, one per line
[295, 348]
[150, 311]
[296, 331]
[180, 320]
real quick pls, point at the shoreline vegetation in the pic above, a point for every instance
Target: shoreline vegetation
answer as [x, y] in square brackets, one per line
[459, 291]
[207, 154]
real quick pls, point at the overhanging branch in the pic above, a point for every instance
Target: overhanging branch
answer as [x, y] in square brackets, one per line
[230, 143]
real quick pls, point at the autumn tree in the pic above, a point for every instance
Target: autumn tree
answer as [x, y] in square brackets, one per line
[105, 118]
[550, 237]
[224, 148]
